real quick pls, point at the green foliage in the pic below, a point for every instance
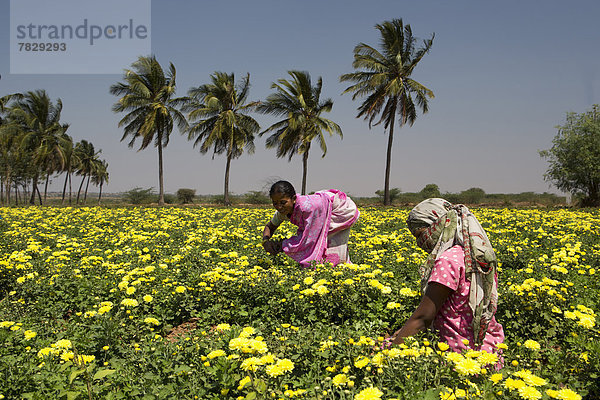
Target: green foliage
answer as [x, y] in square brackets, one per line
[257, 197]
[203, 267]
[431, 190]
[394, 194]
[139, 196]
[575, 156]
[299, 105]
[384, 77]
[472, 195]
[220, 121]
[186, 196]
[152, 110]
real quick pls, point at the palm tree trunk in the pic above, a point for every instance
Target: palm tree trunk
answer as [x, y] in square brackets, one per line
[388, 165]
[86, 189]
[226, 193]
[16, 193]
[80, 186]
[305, 168]
[100, 195]
[161, 190]
[46, 186]
[70, 191]
[34, 187]
[37, 189]
[64, 188]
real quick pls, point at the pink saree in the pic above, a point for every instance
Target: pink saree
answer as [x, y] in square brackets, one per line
[323, 220]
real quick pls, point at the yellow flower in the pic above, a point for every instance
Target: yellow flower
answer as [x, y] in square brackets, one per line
[361, 362]
[180, 289]
[408, 292]
[529, 393]
[215, 354]
[29, 334]
[309, 280]
[223, 327]
[371, 393]
[532, 344]
[129, 302]
[250, 364]
[496, 378]
[285, 364]
[443, 346]
[63, 344]
[486, 358]
[130, 290]
[563, 394]
[468, 366]
[148, 298]
[340, 379]
[243, 382]
[150, 320]
[85, 359]
[513, 384]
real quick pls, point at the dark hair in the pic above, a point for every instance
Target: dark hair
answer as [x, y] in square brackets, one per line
[283, 187]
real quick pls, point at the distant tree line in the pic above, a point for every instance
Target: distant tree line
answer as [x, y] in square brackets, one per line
[35, 147]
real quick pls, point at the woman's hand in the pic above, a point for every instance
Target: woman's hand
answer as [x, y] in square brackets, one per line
[272, 247]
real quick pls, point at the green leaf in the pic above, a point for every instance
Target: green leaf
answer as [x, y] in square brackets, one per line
[104, 372]
[251, 396]
[75, 374]
[72, 395]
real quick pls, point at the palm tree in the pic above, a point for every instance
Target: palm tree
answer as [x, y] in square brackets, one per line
[299, 103]
[100, 175]
[36, 120]
[385, 78]
[218, 112]
[147, 96]
[71, 161]
[86, 157]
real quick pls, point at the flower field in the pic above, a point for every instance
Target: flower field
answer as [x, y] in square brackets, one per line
[183, 303]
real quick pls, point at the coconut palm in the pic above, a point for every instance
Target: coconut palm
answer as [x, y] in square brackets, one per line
[71, 161]
[36, 121]
[384, 76]
[219, 119]
[100, 175]
[299, 103]
[147, 97]
[86, 156]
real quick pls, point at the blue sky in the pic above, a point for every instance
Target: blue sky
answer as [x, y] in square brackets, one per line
[504, 74]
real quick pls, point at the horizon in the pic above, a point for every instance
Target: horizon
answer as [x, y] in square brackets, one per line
[504, 76]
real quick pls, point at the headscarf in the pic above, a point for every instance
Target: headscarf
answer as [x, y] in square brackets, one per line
[448, 225]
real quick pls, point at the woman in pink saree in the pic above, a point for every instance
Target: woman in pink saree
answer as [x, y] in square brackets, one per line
[323, 219]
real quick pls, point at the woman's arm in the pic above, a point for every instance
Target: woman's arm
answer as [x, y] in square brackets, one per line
[270, 246]
[268, 231]
[435, 296]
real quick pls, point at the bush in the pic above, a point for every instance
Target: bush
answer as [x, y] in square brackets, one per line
[186, 196]
[256, 197]
[139, 196]
[472, 196]
[394, 194]
[169, 198]
[430, 190]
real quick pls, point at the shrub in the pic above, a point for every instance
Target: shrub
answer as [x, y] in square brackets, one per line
[394, 194]
[186, 196]
[139, 196]
[256, 197]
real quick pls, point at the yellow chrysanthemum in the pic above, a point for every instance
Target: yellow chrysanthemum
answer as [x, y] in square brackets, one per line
[371, 393]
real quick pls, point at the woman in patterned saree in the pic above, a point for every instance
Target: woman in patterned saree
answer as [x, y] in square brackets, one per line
[323, 220]
[458, 279]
